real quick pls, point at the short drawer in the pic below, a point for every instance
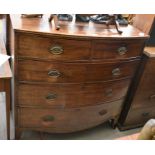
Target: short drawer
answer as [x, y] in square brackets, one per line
[117, 49]
[140, 116]
[71, 95]
[68, 120]
[51, 48]
[42, 71]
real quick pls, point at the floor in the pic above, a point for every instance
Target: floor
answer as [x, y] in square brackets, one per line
[101, 132]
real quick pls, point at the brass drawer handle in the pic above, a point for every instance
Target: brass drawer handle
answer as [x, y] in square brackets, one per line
[51, 96]
[108, 92]
[56, 50]
[54, 73]
[122, 50]
[116, 72]
[48, 118]
[103, 112]
[145, 114]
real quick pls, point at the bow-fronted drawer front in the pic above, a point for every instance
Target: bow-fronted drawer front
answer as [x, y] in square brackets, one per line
[51, 48]
[71, 95]
[42, 71]
[117, 49]
[68, 120]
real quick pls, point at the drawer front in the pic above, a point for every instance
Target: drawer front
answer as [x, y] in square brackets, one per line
[117, 49]
[68, 120]
[145, 94]
[40, 71]
[32, 46]
[71, 95]
[140, 116]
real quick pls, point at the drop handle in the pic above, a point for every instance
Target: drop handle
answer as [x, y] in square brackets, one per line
[56, 50]
[109, 92]
[54, 73]
[116, 72]
[102, 112]
[51, 96]
[122, 50]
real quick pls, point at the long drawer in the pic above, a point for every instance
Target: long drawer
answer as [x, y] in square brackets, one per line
[71, 95]
[33, 46]
[117, 49]
[68, 120]
[43, 71]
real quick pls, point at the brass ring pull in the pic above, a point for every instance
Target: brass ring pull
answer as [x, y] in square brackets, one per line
[103, 112]
[56, 50]
[108, 92]
[54, 73]
[122, 50]
[51, 96]
[116, 72]
[48, 118]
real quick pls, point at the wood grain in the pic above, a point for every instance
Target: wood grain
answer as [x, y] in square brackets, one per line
[85, 79]
[68, 120]
[29, 70]
[71, 95]
[41, 45]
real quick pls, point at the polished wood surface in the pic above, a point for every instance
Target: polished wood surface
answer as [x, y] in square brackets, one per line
[149, 51]
[71, 95]
[138, 117]
[140, 101]
[42, 48]
[39, 71]
[145, 95]
[75, 73]
[144, 22]
[143, 103]
[113, 49]
[72, 29]
[5, 82]
[68, 120]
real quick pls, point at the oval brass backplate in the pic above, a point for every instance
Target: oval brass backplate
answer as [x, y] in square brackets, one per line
[108, 92]
[116, 72]
[56, 50]
[122, 50]
[54, 73]
[51, 96]
[103, 112]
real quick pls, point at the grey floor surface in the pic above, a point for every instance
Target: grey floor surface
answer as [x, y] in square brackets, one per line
[101, 132]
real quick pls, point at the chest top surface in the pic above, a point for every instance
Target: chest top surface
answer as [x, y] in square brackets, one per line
[73, 29]
[150, 51]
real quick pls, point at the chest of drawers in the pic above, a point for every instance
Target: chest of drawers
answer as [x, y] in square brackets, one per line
[142, 105]
[72, 79]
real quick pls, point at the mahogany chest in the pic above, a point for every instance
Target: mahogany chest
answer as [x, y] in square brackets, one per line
[142, 100]
[72, 79]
